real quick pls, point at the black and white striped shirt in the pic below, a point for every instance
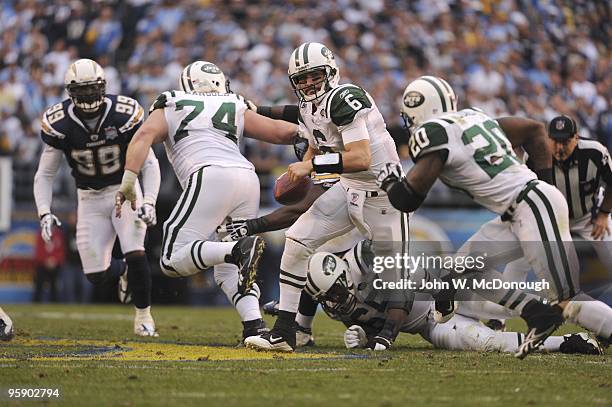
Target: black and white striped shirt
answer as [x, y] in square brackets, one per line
[579, 177]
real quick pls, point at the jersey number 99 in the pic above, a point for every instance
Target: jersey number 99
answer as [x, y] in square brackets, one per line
[108, 160]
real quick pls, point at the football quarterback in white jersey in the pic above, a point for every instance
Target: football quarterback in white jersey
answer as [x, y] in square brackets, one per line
[344, 288]
[347, 136]
[202, 126]
[471, 151]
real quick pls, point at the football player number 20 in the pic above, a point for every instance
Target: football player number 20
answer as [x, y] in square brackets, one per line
[108, 159]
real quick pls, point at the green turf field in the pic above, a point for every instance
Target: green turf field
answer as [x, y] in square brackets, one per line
[88, 352]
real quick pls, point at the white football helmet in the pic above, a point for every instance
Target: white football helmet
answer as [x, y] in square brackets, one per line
[426, 98]
[311, 57]
[205, 77]
[85, 83]
[329, 283]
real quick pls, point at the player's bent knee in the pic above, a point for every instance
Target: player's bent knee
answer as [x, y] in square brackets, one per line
[96, 278]
[135, 255]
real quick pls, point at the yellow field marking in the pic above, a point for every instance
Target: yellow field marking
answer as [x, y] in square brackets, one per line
[86, 349]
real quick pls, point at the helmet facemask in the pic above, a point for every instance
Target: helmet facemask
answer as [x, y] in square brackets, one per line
[319, 86]
[339, 298]
[87, 96]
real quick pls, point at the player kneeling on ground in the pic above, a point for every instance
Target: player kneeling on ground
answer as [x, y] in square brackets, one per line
[201, 127]
[93, 129]
[343, 287]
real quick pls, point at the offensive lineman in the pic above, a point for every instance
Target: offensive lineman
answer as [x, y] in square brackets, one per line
[201, 127]
[347, 136]
[343, 286]
[469, 150]
[93, 129]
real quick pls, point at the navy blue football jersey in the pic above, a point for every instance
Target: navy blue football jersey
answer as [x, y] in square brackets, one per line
[97, 155]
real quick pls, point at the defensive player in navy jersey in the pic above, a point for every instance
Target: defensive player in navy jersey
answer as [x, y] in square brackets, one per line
[92, 130]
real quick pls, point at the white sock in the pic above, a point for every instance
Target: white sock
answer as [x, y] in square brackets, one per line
[143, 312]
[294, 267]
[304, 321]
[214, 253]
[247, 305]
[591, 314]
[552, 343]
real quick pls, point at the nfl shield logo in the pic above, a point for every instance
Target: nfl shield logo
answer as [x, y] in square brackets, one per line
[560, 125]
[93, 137]
[110, 133]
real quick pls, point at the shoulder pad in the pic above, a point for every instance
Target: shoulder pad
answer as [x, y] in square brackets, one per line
[428, 137]
[344, 103]
[161, 101]
[128, 109]
[51, 119]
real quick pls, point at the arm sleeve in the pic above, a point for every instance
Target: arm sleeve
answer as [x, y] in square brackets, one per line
[48, 166]
[355, 131]
[151, 178]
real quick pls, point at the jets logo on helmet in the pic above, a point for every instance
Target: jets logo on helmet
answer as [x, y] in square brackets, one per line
[329, 265]
[315, 61]
[413, 99]
[85, 83]
[426, 98]
[205, 77]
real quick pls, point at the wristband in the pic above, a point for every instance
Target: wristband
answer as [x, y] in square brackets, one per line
[330, 163]
[264, 111]
[604, 211]
[129, 178]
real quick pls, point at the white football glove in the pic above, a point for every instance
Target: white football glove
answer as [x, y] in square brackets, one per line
[147, 213]
[236, 229]
[355, 337]
[390, 173]
[46, 226]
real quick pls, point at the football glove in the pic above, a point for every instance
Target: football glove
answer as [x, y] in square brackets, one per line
[127, 190]
[355, 337]
[147, 213]
[47, 221]
[379, 342]
[236, 229]
[390, 174]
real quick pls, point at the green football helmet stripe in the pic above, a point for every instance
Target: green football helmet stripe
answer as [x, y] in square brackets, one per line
[438, 89]
[305, 53]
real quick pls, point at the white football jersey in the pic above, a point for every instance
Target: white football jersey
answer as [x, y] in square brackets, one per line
[480, 159]
[327, 122]
[203, 129]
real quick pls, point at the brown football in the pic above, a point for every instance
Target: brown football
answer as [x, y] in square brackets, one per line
[287, 192]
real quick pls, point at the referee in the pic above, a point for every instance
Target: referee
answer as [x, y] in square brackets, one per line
[580, 167]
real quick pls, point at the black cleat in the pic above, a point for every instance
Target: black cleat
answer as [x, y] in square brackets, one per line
[253, 328]
[271, 308]
[496, 325]
[6, 331]
[444, 310]
[246, 255]
[580, 343]
[542, 320]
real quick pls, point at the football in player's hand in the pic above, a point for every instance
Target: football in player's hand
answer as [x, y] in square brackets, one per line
[289, 193]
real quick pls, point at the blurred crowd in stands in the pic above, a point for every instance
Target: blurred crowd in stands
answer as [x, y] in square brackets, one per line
[535, 58]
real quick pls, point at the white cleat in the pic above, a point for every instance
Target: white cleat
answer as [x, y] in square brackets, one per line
[6, 327]
[144, 324]
[268, 342]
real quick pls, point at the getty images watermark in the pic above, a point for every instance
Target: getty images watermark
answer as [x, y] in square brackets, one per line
[456, 263]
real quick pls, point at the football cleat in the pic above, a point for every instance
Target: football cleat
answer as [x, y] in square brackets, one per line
[253, 328]
[271, 308]
[144, 324]
[123, 289]
[444, 310]
[542, 320]
[496, 325]
[246, 255]
[580, 343]
[270, 341]
[6, 327]
[303, 336]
